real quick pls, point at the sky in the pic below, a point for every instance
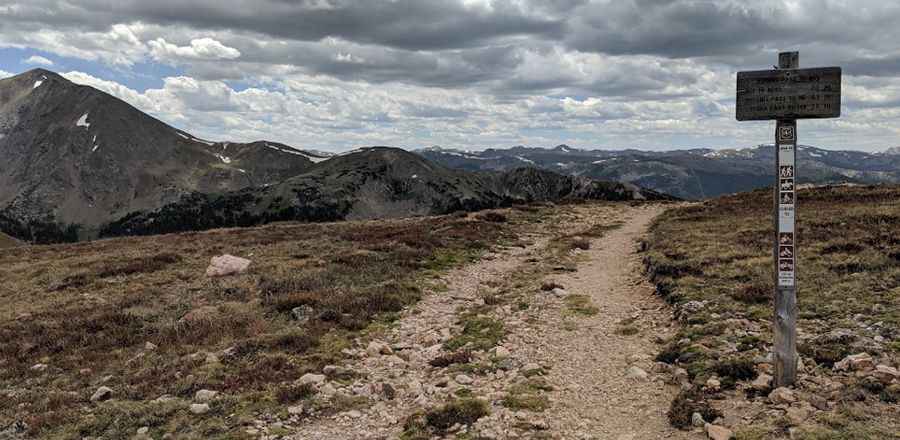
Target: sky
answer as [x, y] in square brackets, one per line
[335, 75]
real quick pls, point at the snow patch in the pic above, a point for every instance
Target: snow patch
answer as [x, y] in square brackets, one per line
[313, 159]
[96, 146]
[39, 82]
[814, 154]
[526, 160]
[242, 171]
[82, 121]
[414, 176]
[182, 135]
[224, 159]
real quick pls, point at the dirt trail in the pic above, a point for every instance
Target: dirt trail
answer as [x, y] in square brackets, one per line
[585, 359]
[594, 398]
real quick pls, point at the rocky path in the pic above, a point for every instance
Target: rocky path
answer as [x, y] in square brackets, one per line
[597, 358]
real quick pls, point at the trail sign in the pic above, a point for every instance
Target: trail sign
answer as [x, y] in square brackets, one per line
[785, 95]
[789, 94]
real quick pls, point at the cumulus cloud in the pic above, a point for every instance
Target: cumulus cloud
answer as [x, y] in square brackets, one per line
[199, 49]
[38, 61]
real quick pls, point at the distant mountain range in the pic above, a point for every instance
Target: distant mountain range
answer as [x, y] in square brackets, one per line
[77, 163]
[690, 174]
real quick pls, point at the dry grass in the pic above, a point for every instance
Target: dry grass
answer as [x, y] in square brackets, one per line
[720, 252]
[87, 310]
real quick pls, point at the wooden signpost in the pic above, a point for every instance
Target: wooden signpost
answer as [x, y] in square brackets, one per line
[786, 94]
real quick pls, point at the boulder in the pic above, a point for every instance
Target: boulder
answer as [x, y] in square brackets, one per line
[501, 352]
[886, 374]
[375, 348]
[102, 393]
[225, 265]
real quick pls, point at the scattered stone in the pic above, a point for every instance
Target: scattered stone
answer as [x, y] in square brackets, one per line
[762, 382]
[462, 379]
[353, 414]
[328, 390]
[559, 292]
[225, 265]
[501, 352]
[531, 369]
[713, 384]
[855, 362]
[388, 391]
[39, 367]
[687, 309]
[332, 370]
[697, 420]
[796, 415]
[143, 430]
[199, 408]
[886, 374]
[375, 348]
[818, 402]
[295, 410]
[636, 373]
[310, 378]
[102, 394]
[302, 314]
[205, 395]
[149, 346]
[716, 432]
[782, 396]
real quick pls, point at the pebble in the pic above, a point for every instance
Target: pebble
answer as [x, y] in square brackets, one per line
[310, 378]
[636, 373]
[462, 379]
[716, 432]
[205, 395]
[782, 396]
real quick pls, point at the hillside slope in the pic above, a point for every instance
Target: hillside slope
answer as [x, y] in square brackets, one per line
[713, 262]
[6, 241]
[71, 154]
[377, 182]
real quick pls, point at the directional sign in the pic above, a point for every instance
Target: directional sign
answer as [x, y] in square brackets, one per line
[789, 94]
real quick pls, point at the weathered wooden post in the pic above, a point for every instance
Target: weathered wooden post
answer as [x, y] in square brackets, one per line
[786, 94]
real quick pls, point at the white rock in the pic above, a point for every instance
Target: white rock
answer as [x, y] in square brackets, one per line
[310, 378]
[295, 410]
[375, 348]
[205, 395]
[102, 393]
[199, 408]
[697, 420]
[39, 367]
[143, 430]
[224, 265]
[149, 346]
[501, 352]
[635, 373]
[462, 379]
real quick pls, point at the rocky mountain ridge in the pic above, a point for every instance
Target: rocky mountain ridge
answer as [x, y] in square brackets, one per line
[692, 174]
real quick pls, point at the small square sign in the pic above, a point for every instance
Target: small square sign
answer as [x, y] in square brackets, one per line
[787, 134]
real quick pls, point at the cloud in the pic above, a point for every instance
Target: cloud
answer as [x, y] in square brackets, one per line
[5, 74]
[341, 73]
[199, 49]
[38, 60]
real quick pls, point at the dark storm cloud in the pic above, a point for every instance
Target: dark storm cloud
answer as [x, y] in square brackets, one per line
[406, 24]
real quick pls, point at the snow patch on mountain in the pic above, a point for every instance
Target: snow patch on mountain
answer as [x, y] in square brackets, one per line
[82, 121]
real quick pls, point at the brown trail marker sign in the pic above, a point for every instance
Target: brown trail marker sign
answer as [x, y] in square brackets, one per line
[786, 94]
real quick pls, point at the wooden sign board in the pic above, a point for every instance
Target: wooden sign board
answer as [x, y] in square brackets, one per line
[789, 94]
